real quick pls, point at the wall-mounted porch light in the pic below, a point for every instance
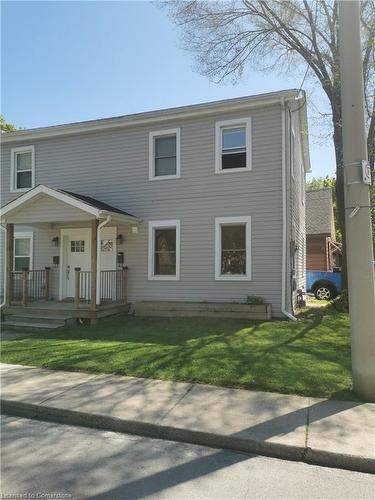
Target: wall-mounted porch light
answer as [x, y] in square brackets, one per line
[120, 239]
[55, 241]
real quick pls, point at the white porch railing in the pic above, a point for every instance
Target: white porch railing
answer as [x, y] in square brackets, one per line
[113, 286]
[30, 285]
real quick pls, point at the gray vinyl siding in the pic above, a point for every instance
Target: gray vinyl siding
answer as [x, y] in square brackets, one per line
[113, 167]
[2, 263]
[297, 209]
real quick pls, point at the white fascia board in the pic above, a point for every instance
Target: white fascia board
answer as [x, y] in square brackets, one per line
[195, 110]
[41, 189]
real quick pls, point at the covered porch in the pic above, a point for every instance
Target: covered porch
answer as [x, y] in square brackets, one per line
[62, 253]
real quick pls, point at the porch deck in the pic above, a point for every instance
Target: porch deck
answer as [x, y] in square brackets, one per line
[64, 309]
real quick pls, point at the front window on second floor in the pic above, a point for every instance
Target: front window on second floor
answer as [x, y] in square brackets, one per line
[233, 146]
[164, 154]
[22, 168]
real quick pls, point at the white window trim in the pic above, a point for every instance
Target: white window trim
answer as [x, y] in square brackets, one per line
[13, 174]
[24, 234]
[151, 149]
[219, 221]
[162, 224]
[239, 122]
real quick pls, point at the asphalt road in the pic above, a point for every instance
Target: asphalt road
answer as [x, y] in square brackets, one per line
[41, 459]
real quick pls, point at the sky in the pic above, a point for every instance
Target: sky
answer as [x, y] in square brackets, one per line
[80, 60]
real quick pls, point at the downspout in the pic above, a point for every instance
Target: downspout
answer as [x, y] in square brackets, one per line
[102, 224]
[284, 238]
[4, 284]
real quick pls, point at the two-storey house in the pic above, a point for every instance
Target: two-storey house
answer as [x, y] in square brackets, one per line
[196, 204]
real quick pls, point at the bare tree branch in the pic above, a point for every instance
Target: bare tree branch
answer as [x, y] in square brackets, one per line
[230, 36]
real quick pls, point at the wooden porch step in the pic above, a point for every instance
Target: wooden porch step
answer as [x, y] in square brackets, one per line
[25, 319]
[40, 319]
[51, 315]
[22, 325]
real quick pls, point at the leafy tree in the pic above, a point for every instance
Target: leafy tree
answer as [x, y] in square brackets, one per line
[6, 127]
[320, 183]
[227, 37]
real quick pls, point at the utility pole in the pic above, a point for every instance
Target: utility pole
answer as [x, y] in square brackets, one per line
[361, 282]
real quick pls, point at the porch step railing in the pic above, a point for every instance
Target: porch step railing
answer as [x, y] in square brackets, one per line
[30, 285]
[113, 286]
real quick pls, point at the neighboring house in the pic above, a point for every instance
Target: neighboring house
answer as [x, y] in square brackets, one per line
[201, 203]
[322, 251]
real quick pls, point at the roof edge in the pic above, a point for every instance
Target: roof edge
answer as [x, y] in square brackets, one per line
[69, 199]
[148, 117]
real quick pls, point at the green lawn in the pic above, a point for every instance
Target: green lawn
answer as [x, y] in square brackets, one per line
[311, 357]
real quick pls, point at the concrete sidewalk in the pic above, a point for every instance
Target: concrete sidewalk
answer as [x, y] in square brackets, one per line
[324, 432]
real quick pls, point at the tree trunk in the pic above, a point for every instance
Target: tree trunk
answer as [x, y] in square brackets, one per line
[340, 196]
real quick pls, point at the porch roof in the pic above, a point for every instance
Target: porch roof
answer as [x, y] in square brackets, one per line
[93, 207]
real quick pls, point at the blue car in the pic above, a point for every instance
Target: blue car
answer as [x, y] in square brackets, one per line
[325, 285]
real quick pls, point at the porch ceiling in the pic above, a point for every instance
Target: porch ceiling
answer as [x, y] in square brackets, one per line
[45, 204]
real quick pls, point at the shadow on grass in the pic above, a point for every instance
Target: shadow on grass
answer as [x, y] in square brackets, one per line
[310, 357]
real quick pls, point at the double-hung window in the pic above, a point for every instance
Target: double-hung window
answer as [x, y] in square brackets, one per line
[233, 145]
[164, 154]
[233, 248]
[23, 251]
[22, 168]
[164, 250]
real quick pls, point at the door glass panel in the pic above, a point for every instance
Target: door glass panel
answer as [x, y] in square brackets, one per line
[77, 246]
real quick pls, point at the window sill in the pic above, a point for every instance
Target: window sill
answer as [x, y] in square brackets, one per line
[232, 170]
[233, 277]
[163, 277]
[164, 177]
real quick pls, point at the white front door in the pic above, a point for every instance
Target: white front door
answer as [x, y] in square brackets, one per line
[76, 252]
[108, 248]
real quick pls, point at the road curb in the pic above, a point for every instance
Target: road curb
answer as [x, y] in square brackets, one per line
[269, 449]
